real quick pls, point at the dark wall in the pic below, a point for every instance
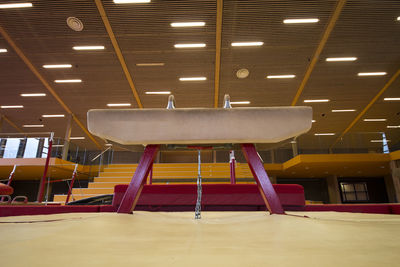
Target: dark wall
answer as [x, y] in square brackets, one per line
[30, 189]
[376, 188]
[26, 188]
[314, 188]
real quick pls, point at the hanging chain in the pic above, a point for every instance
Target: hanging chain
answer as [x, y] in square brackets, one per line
[199, 190]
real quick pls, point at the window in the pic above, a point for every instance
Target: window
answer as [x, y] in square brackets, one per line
[354, 192]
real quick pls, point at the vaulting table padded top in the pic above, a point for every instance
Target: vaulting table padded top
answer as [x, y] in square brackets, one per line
[199, 125]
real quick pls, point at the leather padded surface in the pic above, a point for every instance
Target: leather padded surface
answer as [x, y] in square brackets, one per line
[199, 126]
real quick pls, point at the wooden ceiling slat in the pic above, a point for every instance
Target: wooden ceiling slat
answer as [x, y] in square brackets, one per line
[218, 38]
[45, 83]
[373, 100]
[319, 49]
[121, 59]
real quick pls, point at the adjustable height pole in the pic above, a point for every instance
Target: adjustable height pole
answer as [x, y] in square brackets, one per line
[71, 185]
[232, 165]
[197, 214]
[10, 178]
[46, 168]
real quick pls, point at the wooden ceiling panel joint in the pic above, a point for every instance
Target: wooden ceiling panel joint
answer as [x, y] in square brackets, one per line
[218, 39]
[4, 117]
[320, 47]
[29, 64]
[368, 106]
[117, 49]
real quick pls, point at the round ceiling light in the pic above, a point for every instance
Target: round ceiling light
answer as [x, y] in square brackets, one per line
[242, 73]
[75, 24]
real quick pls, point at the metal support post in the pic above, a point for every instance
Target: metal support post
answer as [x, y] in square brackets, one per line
[268, 193]
[135, 187]
[71, 185]
[10, 178]
[197, 214]
[67, 138]
[46, 168]
[232, 165]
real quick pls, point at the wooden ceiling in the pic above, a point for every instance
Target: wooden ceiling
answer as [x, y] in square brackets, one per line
[368, 30]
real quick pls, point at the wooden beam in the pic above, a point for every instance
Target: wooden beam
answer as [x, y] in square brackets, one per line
[368, 106]
[321, 45]
[45, 83]
[218, 38]
[121, 59]
[4, 117]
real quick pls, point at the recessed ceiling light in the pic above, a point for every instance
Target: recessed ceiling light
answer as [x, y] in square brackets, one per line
[193, 79]
[57, 66]
[33, 126]
[316, 100]
[14, 106]
[374, 119]
[158, 93]
[57, 145]
[379, 141]
[33, 95]
[311, 20]
[240, 102]
[119, 105]
[69, 81]
[285, 76]
[131, 1]
[322, 134]
[343, 110]
[313, 121]
[392, 99]
[189, 45]
[188, 24]
[53, 116]
[149, 64]
[341, 59]
[16, 5]
[3, 50]
[77, 138]
[393, 126]
[247, 44]
[371, 73]
[89, 47]
[398, 18]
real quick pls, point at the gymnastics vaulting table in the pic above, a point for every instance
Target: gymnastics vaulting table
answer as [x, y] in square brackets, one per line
[183, 126]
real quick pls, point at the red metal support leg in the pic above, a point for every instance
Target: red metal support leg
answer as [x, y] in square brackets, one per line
[268, 193]
[46, 168]
[135, 187]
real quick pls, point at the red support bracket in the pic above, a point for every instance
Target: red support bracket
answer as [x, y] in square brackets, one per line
[135, 187]
[268, 193]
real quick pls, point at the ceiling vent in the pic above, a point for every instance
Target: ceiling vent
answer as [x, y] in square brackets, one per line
[75, 24]
[242, 73]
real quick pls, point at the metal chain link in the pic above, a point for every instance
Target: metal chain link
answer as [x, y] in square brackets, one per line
[199, 190]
